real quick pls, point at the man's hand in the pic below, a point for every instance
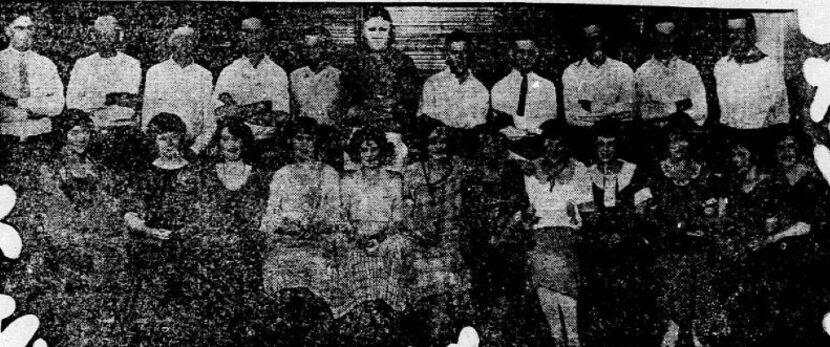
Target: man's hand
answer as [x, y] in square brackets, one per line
[7, 101]
[123, 99]
[227, 99]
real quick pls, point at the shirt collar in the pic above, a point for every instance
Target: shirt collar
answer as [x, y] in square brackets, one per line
[172, 62]
[671, 63]
[265, 60]
[19, 53]
[450, 75]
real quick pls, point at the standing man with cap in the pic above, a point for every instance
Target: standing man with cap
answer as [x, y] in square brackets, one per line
[252, 83]
[595, 88]
[454, 96]
[750, 85]
[529, 99]
[30, 89]
[105, 84]
[180, 86]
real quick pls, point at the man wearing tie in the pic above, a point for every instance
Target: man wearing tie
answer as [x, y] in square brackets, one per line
[527, 98]
[30, 88]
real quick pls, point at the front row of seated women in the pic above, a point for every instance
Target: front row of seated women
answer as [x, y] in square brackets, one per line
[219, 252]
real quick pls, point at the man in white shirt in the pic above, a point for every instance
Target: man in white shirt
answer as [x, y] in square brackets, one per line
[454, 96]
[30, 89]
[317, 87]
[105, 84]
[181, 87]
[252, 83]
[595, 88]
[526, 97]
[666, 84]
[750, 84]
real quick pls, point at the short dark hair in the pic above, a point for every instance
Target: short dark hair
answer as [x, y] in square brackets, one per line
[238, 129]
[166, 123]
[74, 117]
[520, 36]
[316, 30]
[607, 128]
[373, 134]
[378, 11]
[457, 35]
[746, 15]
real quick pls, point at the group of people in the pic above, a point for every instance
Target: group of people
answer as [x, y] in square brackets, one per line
[344, 204]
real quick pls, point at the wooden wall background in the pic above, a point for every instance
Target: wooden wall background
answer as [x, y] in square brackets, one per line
[65, 32]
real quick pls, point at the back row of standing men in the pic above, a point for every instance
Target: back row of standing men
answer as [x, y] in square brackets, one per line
[377, 84]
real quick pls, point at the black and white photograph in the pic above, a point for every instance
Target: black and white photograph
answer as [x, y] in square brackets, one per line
[575, 173]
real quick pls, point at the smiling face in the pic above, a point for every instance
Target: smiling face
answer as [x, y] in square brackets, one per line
[231, 145]
[21, 33]
[369, 154]
[77, 138]
[376, 31]
[786, 152]
[678, 147]
[169, 145]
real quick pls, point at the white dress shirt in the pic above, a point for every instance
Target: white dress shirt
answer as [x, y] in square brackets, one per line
[248, 84]
[659, 86]
[45, 93]
[185, 92]
[540, 102]
[317, 94]
[458, 105]
[751, 96]
[609, 87]
[93, 77]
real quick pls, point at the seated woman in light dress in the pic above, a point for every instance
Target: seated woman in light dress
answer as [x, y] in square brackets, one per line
[373, 266]
[302, 215]
[558, 189]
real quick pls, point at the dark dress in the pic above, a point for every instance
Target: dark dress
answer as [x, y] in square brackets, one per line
[226, 255]
[160, 306]
[686, 265]
[496, 246]
[372, 78]
[786, 275]
[77, 257]
[619, 303]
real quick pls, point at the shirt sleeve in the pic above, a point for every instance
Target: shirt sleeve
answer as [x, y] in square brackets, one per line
[481, 106]
[152, 96]
[698, 96]
[273, 208]
[222, 86]
[574, 113]
[625, 101]
[50, 100]
[133, 82]
[76, 92]
[278, 94]
[205, 111]
[427, 105]
[779, 111]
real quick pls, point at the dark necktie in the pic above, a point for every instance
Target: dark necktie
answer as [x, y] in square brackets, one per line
[24, 77]
[520, 110]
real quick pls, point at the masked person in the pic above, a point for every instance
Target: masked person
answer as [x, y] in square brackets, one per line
[380, 78]
[595, 88]
[454, 96]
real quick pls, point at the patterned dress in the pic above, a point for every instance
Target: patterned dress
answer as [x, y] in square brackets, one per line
[433, 218]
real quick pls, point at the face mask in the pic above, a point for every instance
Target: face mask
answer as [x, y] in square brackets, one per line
[376, 30]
